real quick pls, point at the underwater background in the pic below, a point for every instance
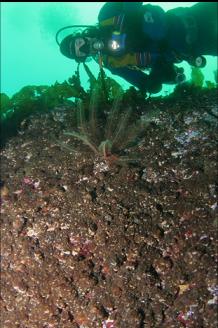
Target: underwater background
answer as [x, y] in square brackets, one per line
[108, 198]
[30, 55]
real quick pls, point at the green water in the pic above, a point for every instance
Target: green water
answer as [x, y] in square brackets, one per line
[30, 55]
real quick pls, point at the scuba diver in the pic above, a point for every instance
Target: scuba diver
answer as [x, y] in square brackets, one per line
[143, 43]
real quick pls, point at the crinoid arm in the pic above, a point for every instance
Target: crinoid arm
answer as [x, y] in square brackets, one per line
[84, 139]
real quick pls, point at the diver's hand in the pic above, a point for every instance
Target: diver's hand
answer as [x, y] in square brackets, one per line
[180, 76]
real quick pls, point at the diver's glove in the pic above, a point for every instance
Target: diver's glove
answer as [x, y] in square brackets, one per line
[180, 76]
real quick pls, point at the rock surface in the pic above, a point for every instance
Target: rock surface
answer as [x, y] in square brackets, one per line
[87, 245]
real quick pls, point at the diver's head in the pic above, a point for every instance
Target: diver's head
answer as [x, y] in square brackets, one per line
[80, 47]
[71, 47]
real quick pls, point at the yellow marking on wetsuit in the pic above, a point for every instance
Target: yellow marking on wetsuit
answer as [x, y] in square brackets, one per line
[125, 60]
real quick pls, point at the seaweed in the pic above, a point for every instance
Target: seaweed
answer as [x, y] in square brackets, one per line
[6, 105]
[210, 85]
[197, 77]
[198, 80]
[193, 87]
[35, 99]
[216, 75]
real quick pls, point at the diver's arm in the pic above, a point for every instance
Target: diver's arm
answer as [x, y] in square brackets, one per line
[161, 72]
[137, 78]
